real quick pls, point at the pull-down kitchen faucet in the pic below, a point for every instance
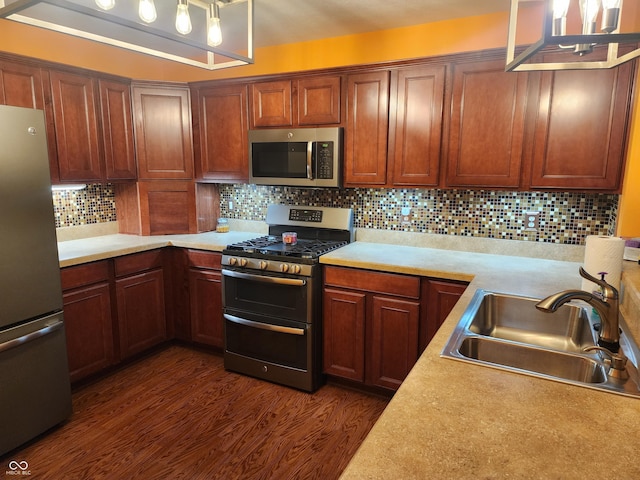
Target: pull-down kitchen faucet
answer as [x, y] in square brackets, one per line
[606, 306]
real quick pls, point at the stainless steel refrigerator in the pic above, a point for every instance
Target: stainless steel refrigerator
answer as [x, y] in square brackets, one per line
[35, 393]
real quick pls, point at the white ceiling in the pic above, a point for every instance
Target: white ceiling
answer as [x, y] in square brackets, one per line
[289, 21]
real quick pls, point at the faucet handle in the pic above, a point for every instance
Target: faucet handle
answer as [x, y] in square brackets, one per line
[609, 290]
[618, 361]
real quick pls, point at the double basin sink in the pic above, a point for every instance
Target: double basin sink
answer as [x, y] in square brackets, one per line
[507, 332]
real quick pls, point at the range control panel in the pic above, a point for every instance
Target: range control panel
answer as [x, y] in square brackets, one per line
[305, 215]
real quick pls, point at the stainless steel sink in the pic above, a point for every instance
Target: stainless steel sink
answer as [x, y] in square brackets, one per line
[507, 332]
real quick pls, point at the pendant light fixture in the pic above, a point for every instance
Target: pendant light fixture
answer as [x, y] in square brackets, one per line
[571, 25]
[189, 34]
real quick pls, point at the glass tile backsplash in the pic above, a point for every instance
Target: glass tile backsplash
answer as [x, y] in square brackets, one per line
[565, 218]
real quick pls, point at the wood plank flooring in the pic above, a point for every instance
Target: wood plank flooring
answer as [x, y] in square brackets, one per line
[179, 415]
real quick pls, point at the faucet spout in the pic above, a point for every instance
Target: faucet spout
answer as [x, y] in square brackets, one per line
[607, 308]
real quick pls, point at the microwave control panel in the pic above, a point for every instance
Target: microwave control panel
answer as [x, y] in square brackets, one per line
[324, 156]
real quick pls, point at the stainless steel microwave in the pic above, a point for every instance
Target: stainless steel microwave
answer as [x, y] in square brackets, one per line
[300, 157]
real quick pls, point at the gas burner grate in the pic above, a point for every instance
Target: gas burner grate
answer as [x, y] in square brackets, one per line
[273, 245]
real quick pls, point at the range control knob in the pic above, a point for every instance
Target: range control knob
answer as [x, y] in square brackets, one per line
[243, 262]
[284, 267]
[233, 261]
[263, 264]
[295, 269]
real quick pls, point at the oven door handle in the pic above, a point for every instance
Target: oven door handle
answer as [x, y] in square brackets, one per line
[296, 282]
[264, 326]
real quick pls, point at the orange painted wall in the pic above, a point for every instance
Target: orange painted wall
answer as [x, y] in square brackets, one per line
[466, 34]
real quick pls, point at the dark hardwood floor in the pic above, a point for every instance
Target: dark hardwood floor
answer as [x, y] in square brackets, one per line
[179, 415]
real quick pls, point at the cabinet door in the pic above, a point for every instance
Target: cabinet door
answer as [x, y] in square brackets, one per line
[344, 335]
[141, 312]
[367, 125]
[441, 296]
[222, 144]
[271, 104]
[205, 292]
[117, 130]
[416, 126]
[89, 330]
[580, 129]
[486, 136]
[318, 100]
[394, 341]
[76, 126]
[162, 120]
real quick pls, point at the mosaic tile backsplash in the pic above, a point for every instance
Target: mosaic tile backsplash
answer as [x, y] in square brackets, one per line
[565, 218]
[93, 204]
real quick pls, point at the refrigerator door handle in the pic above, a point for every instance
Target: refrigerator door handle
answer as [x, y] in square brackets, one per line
[31, 336]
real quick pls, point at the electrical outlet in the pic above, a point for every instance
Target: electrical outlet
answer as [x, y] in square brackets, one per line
[230, 205]
[531, 221]
[406, 216]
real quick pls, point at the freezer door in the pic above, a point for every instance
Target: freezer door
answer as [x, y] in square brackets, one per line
[29, 267]
[35, 393]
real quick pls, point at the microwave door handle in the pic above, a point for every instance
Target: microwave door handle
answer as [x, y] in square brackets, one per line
[310, 160]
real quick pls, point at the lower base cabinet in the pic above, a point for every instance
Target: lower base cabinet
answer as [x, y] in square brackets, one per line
[376, 324]
[205, 297]
[88, 322]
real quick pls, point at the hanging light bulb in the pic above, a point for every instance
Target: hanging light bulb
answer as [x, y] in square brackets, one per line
[214, 32]
[106, 4]
[560, 9]
[589, 10]
[183, 21]
[147, 11]
[610, 15]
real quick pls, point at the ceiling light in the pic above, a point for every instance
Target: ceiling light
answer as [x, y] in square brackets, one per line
[151, 28]
[571, 24]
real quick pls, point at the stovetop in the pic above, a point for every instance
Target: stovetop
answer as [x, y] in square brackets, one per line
[272, 246]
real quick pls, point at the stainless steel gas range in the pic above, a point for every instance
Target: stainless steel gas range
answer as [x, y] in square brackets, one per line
[272, 294]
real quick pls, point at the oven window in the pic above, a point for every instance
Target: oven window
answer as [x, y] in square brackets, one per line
[284, 349]
[279, 160]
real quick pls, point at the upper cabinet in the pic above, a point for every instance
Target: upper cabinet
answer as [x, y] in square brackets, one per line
[415, 126]
[162, 123]
[365, 156]
[117, 130]
[487, 126]
[304, 101]
[75, 109]
[220, 125]
[580, 129]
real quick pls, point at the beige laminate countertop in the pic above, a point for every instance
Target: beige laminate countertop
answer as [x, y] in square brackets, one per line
[455, 420]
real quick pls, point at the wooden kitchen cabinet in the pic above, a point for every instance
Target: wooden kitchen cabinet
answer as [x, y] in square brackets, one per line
[88, 320]
[371, 322]
[220, 133]
[75, 108]
[415, 126]
[580, 128]
[365, 157]
[487, 126]
[140, 300]
[293, 102]
[162, 125]
[117, 130]
[205, 297]
[440, 296]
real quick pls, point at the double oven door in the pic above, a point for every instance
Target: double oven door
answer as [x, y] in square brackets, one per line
[272, 329]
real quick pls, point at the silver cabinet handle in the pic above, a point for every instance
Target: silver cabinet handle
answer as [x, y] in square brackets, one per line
[264, 326]
[296, 282]
[31, 336]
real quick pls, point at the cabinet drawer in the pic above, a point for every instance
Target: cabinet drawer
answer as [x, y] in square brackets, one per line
[369, 281]
[204, 259]
[138, 262]
[85, 274]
